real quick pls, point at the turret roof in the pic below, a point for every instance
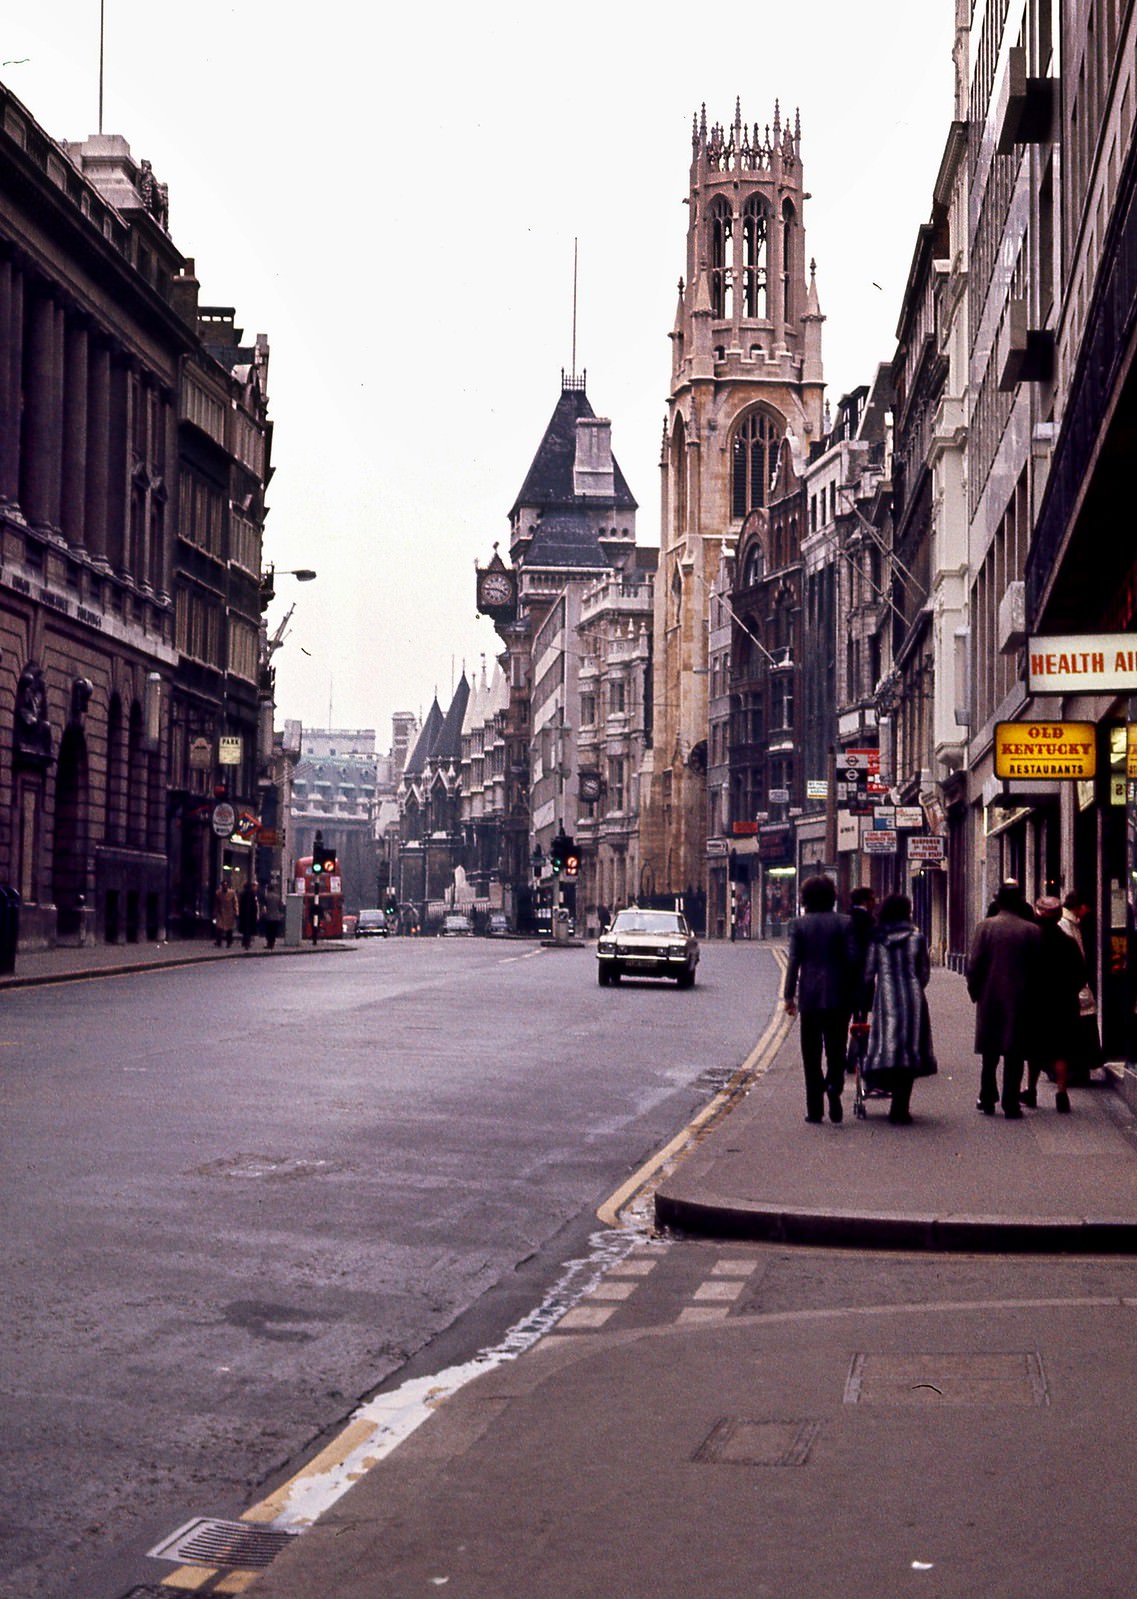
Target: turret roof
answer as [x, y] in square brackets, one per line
[549, 480]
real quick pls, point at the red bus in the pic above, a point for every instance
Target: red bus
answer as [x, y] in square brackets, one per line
[328, 903]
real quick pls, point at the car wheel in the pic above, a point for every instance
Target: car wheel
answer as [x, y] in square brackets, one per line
[603, 976]
[686, 979]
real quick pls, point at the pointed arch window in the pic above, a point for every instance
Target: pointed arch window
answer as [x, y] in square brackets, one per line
[754, 258]
[679, 478]
[754, 455]
[755, 567]
[722, 259]
[790, 267]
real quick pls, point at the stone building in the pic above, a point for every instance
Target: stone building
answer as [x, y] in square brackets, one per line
[334, 789]
[746, 374]
[614, 679]
[571, 526]
[432, 846]
[99, 337]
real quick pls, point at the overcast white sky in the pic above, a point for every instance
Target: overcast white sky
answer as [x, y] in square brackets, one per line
[391, 193]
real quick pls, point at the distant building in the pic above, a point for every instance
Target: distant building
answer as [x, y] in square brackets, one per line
[572, 526]
[334, 793]
[746, 374]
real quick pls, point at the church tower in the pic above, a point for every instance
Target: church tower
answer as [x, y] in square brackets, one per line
[746, 373]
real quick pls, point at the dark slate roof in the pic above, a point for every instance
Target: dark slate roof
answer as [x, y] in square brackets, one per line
[549, 479]
[424, 742]
[448, 745]
[564, 538]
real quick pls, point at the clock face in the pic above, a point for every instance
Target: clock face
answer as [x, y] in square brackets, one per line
[589, 786]
[496, 589]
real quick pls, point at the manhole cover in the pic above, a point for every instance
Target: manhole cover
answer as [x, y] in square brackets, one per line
[947, 1379]
[208, 1542]
[734, 1441]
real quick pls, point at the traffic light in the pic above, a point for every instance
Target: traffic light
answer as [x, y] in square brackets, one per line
[572, 860]
[558, 849]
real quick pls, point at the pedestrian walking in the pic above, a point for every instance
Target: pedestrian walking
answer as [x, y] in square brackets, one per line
[273, 914]
[900, 1036]
[862, 925]
[1086, 1055]
[224, 913]
[1061, 977]
[1002, 977]
[248, 913]
[818, 985]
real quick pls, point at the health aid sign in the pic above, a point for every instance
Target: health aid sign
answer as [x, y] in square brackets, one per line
[1083, 663]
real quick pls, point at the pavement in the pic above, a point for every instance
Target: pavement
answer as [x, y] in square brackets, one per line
[743, 1404]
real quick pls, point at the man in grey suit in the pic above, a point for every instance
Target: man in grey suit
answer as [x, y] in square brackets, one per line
[1001, 979]
[819, 987]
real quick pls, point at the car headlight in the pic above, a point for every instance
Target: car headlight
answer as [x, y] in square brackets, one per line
[605, 947]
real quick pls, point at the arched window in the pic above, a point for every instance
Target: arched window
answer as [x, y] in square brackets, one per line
[754, 568]
[676, 595]
[679, 478]
[722, 259]
[754, 457]
[754, 258]
[790, 267]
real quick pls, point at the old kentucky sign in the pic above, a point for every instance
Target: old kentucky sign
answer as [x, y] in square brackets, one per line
[1045, 749]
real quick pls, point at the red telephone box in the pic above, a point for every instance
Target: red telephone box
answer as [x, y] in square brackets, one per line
[323, 892]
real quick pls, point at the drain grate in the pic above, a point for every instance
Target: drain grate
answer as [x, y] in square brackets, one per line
[1014, 1378]
[205, 1541]
[734, 1441]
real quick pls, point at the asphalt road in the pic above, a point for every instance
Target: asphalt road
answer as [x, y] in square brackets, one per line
[239, 1197]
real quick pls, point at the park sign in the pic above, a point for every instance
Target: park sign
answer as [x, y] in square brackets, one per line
[1045, 749]
[1082, 663]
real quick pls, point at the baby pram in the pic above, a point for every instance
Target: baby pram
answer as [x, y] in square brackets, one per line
[855, 1063]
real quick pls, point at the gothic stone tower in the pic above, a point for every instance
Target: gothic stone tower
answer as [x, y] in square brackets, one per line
[745, 374]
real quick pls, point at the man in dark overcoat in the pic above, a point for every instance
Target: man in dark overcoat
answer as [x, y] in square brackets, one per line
[1002, 976]
[819, 984]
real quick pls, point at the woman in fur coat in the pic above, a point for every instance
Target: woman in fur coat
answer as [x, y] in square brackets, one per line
[900, 1039]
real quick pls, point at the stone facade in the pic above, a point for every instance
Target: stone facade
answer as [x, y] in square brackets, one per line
[746, 374]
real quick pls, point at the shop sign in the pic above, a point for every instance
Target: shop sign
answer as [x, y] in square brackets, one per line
[880, 843]
[269, 837]
[884, 817]
[926, 848]
[816, 788]
[1045, 749]
[1082, 663]
[229, 750]
[201, 755]
[910, 816]
[1131, 750]
[848, 831]
[224, 819]
[774, 842]
[744, 829]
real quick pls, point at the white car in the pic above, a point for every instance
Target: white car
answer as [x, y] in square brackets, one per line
[647, 944]
[456, 926]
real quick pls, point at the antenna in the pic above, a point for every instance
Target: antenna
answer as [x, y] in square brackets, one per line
[574, 260]
[102, 32]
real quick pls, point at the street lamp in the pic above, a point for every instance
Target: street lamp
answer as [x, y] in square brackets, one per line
[302, 574]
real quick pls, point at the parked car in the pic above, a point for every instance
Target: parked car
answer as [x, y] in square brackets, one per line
[456, 926]
[643, 943]
[497, 925]
[372, 924]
